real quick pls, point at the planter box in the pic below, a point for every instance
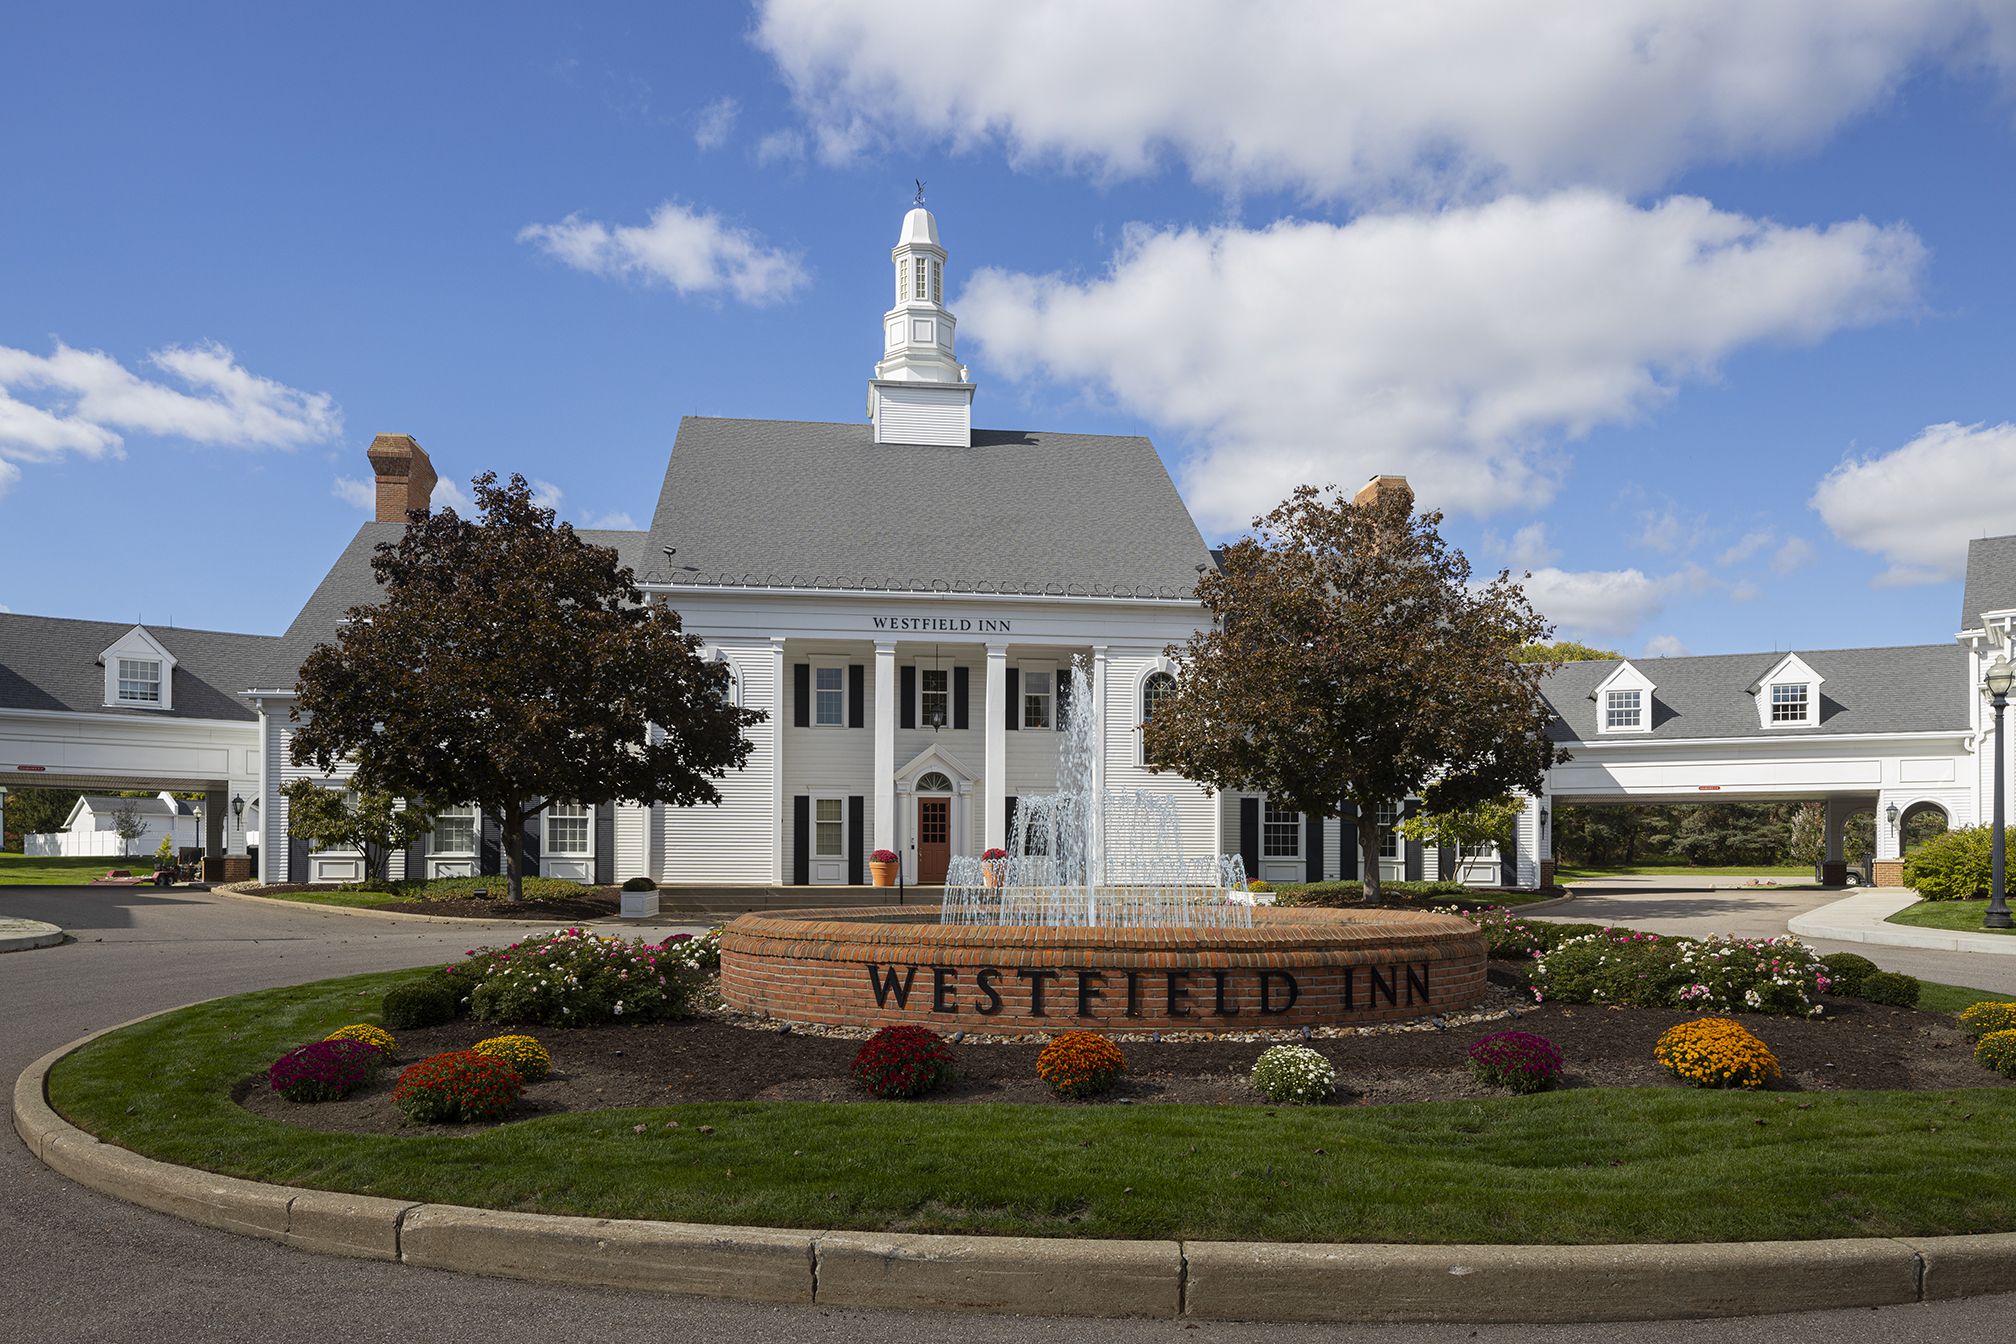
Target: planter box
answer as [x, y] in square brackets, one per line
[640, 904]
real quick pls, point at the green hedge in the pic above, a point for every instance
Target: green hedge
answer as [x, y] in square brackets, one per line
[463, 888]
[1956, 866]
[1353, 892]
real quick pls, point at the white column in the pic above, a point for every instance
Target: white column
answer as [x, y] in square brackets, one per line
[884, 827]
[996, 763]
[777, 720]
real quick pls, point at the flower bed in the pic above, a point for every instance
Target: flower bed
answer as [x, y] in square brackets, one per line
[522, 1053]
[1622, 966]
[1517, 1061]
[324, 1070]
[1080, 1064]
[1717, 1052]
[575, 978]
[900, 1062]
[457, 1086]
[1293, 1075]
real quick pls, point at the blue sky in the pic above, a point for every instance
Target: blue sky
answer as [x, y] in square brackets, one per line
[1668, 302]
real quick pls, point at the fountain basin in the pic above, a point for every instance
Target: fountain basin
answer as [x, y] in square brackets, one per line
[1291, 968]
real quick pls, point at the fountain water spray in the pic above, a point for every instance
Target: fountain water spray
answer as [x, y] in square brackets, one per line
[1085, 855]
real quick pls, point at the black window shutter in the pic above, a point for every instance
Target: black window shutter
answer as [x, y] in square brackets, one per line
[1445, 862]
[1008, 826]
[416, 858]
[1063, 698]
[801, 695]
[857, 699]
[960, 696]
[605, 843]
[1312, 846]
[489, 841]
[1014, 698]
[1508, 860]
[1347, 841]
[297, 858]
[857, 835]
[1413, 850]
[801, 840]
[532, 833]
[1249, 835]
[907, 716]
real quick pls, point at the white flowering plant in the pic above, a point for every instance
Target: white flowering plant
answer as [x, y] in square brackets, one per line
[1293, 1075]
[1622, 966]
[574, 978]
[696, 953]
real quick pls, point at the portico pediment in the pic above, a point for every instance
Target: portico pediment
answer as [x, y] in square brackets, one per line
[934, 757]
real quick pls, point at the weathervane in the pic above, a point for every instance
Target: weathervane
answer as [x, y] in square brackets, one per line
[920, 189]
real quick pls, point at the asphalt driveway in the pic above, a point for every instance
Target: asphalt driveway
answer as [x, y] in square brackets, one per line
[80, 1266]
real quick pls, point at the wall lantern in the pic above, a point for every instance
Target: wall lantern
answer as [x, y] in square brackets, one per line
[1890, 815]
[238, 805]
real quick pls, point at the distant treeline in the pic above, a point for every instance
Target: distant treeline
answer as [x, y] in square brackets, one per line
[1712, 834]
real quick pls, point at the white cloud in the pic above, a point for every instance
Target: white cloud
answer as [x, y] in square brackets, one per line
[1528, 548]
[1458, 346]
[449, 495]
[356, 493]
[547, 495]
[780, 147]
[1665, 646]
[1745, 590]
[616, 521]
[716, 123]
[693, 251]
[86, 402]
[1598, 601]
[1358, 97]
[1792, 556]
[1751, 544]
[1919, 505]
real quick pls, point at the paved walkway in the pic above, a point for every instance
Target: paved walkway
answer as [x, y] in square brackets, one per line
[81, 1266]
[1698, 906]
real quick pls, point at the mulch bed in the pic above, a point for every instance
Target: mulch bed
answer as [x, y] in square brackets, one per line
[1857, 1045]
[603, 903]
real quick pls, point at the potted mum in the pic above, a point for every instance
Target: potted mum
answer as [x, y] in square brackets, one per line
[994, 866]
[882, 867]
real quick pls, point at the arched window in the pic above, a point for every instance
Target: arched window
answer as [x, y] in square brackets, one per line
[1158, 687]
[935, 781]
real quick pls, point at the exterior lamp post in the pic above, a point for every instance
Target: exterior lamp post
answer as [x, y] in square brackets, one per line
[2000, 680]
[238, 811]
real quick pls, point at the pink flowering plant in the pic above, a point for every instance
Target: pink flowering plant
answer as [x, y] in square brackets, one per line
[699, 954]
[324, 1070]
[1645, 970]
[1518, 1061]
[574, 978]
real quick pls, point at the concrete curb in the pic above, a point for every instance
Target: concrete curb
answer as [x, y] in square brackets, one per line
[1864, 918]
[613, 922]
[25, 935]
[1551, 903]
[1198, 1280]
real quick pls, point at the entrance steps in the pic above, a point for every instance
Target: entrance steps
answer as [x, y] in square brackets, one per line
[720, 904]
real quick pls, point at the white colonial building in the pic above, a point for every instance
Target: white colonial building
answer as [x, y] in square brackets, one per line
[902, 596]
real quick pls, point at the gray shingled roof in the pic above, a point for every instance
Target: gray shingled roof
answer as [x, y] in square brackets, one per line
[806, 504]
[1908, 689]
[51, 662]
[350, 583]
[1991, 579]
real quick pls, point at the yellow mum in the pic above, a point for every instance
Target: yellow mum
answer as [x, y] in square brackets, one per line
[521, 1052]
[376, 1037]
[1979, 1019]
[1997, 1051]
[1717, 1052]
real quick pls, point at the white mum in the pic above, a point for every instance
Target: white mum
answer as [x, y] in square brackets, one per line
[1293, 1074]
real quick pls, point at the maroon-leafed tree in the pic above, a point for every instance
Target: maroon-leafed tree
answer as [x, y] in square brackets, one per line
[1353, 660]
[512, 664]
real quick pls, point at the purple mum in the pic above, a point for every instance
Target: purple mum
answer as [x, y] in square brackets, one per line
[1518, 1061]
[324, 1070]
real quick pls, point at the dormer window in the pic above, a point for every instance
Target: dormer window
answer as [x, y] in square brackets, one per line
[1788, 703]
[140, 681]
[1623, 709]
[1788, 695]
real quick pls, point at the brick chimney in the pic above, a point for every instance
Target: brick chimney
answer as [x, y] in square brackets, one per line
[405, 476]
[1373, 490]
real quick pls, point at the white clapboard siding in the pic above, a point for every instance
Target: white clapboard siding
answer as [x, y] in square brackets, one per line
[734, 843]
[928, 413]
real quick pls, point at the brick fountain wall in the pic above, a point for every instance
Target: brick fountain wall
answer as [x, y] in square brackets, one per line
[1293, 968]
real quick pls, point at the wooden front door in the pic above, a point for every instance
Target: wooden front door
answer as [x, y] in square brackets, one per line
[934, 839]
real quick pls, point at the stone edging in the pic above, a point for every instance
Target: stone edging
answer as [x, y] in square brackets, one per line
[1199, 1280]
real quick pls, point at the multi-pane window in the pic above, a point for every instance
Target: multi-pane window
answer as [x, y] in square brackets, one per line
[829, 830]
[1623, 709]
[934, 697]
[139, 681]
[829, 696]
[1788, 703]
[1037, 689]
[1280, 832]
[934, 781]
[567, 829]
[937, 282]
[917, 289]
[454, 831]
[1159, 687]
[1387, 818]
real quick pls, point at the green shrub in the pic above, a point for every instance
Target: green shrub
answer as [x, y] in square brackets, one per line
[1954, 866]
[640, 884]
[425, 1002]
[1990, 1015]
[1352, 892]
[1890, 988]
[1997, 1051]
[1293, 1075]
[465, 888]
[1846, 971]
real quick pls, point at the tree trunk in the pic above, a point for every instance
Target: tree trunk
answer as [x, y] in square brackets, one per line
[514, 854]
[1368, 852]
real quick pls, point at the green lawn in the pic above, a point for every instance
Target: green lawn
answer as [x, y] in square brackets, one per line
[1683, 870]
[1580, 1166]
[1934, 997]
[362, 900]
[21, 870]
[1960, 916]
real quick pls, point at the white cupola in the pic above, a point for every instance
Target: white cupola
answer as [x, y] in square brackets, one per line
[920, 393]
